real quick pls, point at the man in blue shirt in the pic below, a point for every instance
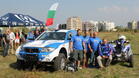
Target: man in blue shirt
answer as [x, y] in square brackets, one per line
[105, 52]
[86, 51]
[93, 45]
[77, 46]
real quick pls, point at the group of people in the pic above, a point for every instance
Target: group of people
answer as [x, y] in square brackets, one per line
[90, 50]
[11, 40]
[33, 34]
[87, 50]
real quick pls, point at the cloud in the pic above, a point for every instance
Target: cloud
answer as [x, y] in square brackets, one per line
[113, 9]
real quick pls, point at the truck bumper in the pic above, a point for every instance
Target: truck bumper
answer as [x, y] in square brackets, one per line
[41, 57]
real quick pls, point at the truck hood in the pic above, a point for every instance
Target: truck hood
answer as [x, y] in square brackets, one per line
[44, 43]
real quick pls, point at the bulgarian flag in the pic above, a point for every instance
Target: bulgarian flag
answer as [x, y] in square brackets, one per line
[51, 14]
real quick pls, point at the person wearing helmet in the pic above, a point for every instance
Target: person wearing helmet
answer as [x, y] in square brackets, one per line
[121, 39]
[120, 42]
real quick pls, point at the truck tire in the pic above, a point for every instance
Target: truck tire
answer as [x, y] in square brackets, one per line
[131, 61]
[60, 62]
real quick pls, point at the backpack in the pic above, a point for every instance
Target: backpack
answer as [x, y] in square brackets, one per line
[71, 66]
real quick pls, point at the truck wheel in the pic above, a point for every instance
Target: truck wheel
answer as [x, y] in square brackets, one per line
[20, 64]
[60, 62]
[131, 61]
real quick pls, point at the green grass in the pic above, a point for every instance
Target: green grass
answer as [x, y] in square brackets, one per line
[7, 69]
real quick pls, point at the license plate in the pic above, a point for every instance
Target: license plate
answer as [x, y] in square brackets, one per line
[29, 57]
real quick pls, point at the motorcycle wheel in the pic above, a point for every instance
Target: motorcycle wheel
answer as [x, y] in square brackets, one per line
[131, 61]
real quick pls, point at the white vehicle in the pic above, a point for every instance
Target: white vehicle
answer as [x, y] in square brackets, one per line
[50, 47]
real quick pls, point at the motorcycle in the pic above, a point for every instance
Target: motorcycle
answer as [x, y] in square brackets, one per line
[122, 52]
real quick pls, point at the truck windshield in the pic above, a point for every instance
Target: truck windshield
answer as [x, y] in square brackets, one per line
[52, 36]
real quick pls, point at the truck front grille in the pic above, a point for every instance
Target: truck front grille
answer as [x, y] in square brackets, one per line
[32, 50]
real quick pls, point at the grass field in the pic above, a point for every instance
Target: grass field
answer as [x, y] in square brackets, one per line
[120, 70]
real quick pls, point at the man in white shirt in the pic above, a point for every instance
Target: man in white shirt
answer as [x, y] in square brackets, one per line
[12, 38]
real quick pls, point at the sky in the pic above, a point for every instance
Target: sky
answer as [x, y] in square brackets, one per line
[118, 11]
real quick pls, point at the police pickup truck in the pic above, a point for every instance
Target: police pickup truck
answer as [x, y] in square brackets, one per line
[50, 47]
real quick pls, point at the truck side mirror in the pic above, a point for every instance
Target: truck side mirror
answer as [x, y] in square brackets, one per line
[69, 38]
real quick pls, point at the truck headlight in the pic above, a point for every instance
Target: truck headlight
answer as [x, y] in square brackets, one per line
[20, 48]
[48, 49]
